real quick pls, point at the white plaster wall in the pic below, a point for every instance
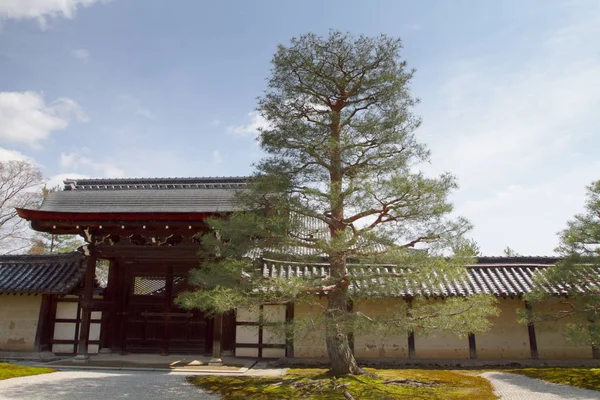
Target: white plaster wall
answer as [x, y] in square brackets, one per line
[246, 352]
[18, 321]
[310, 342]
[273, 353]
[507, 338]
[392, 345]
[550, 340]
[246, 334]
[66, 310]
[247, 315]
[66, 330]
[274, 313]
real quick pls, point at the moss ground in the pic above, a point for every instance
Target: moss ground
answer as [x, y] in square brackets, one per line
[14, 371]
[380, 384]
[588, 378]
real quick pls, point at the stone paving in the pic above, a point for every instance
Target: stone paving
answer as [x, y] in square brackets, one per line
[518, 387]
[106, 385]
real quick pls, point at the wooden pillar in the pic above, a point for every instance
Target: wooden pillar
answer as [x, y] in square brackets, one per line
[45, 321]
[472, 346]
[411, 333]
[109, 313]
[86, 307]
[216, 351]
[167, 312]
[121, 296]
[533, 348]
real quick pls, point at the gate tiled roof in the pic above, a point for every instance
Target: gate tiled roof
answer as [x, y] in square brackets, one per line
[41, 274]
[154, 195]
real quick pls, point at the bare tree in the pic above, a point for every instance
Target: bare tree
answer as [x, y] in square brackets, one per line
[19, 182]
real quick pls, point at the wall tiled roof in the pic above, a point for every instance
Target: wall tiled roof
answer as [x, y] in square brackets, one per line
[41, 274]
[498, 276]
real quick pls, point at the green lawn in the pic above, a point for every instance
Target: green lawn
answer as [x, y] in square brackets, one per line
[588, 378]
[382, 384]
[13, 371]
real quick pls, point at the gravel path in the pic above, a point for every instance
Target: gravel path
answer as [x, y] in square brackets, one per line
[87, 385]
[518, 387]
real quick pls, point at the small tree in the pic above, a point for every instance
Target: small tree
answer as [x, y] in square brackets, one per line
[577, 276]
[340, 184]
[18, 183]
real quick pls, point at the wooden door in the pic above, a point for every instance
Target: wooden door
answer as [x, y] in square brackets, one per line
[154, 323]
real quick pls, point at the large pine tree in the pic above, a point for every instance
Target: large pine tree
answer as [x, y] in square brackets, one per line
[340, 183]
[576, 278]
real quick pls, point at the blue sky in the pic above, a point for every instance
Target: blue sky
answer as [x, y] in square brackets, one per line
[131, 88]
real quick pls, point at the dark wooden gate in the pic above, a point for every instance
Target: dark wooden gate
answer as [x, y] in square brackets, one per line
[154, 323]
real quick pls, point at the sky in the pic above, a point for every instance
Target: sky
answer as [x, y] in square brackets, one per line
[509, 90]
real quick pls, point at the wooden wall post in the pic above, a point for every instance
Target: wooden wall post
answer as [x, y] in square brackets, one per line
[86, 308]
[411, 333]
[289, 333]
[532, 337]
[472, 346]
[45, 321]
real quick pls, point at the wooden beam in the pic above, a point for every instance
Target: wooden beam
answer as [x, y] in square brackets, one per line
[472, 346]
[86, 306]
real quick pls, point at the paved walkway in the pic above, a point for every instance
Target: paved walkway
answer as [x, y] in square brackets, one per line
[78, 385]
[518, 387]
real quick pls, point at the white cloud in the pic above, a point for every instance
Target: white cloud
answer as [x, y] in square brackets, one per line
[25, 118]
[145, 113]
[13, 155]
[216, 157]
[528, 218]
[82, 54]
[251, 128]
[78, 160]
[40, 10]
[133, 104]
[58, 180]
[216, 122]
[520, 136]
[495, 119]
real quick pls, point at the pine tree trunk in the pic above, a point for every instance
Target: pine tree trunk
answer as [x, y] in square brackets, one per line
[338, 348]
[340, 355]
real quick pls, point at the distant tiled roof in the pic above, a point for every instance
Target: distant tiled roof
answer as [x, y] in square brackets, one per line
[37, 274]
[165, 195]
[315, 229]
[499, 276]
